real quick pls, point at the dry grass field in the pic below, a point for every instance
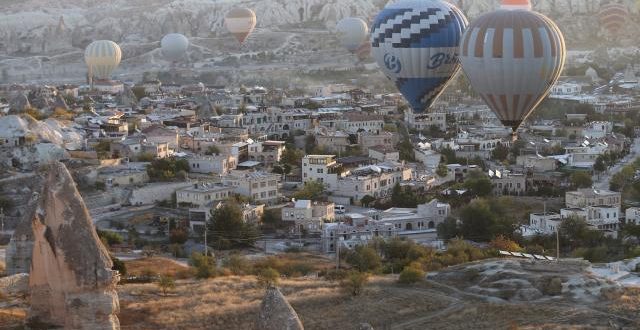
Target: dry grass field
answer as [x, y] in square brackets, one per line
[233, 302]
[157, 265]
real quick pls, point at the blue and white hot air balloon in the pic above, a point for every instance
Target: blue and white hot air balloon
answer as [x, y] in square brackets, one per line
[416, 42]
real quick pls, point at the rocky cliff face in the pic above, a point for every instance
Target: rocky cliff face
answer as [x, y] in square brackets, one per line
[71, 281]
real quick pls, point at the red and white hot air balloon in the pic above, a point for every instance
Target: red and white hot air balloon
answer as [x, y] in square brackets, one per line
[513, 57]
[240, 22]
[613, 17]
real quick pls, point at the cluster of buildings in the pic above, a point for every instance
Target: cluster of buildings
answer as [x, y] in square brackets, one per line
[601, 209]
[245, 144]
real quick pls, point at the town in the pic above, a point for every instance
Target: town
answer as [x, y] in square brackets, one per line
[331, 180]
[327, 167]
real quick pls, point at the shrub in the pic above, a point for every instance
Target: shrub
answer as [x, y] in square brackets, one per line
[205, 266]
[237, 264]
[166, 283]
[110, 238]
[411, 274]
[119, 266]
[364, 258]
[500, 242]
[334, 274]
[355, 282]
[268, 277]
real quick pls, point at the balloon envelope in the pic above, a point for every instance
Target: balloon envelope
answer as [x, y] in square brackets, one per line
[102, 57]
[174, 46]
[512, 59]
[240, 22]
[415, 43]
[613, 16]
[352, 33]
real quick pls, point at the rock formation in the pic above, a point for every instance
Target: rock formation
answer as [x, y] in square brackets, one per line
[71, 281]
[276, 313]
[14, 285]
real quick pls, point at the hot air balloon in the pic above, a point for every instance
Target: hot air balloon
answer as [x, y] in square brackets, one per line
[352, 33]
[240, 22]
[613, 17]
[512, 58]
[174, 46]
[415, 43]
[102, 57]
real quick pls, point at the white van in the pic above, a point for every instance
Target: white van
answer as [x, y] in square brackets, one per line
[340, 209]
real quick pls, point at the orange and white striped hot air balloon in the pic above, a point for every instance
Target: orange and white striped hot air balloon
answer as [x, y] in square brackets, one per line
[513, 57]
[613, 16]
[240, 22]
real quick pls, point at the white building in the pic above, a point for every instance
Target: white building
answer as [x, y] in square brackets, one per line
[633, 215]
[217, 164]
[262, 187]
[590, 197]
[202, 195]
[376, 181]
[308, 215]
[356, 230]
[320, 168]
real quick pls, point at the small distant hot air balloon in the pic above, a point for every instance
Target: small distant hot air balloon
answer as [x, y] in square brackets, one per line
[513, 57]
[102, 57]
[174, 46]
[613, 16]
[415, 43]
[240, 22]
[352, 33]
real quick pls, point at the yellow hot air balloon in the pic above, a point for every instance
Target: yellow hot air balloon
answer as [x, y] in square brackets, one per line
[240, 22]
[102, 57]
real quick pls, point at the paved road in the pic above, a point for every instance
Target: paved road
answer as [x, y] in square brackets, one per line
[603, 182]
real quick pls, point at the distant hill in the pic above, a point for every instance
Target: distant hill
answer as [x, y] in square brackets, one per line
[43, 39]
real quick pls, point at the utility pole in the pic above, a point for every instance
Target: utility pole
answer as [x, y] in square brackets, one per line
[206, 247]
[337, 253]
[557, 244]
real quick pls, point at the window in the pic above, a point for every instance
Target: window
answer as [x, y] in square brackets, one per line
[320, 171]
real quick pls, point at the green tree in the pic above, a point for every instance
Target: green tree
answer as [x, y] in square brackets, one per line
[477, 220]
[364, 259]
[228, 229]
[632, 230]
[600, 165]
[448, 155]
[367, 200]
[500, 152]
[311, 190]
[292, 156]
[272, 219]
[405, 149]
[448, 228]
[403, 197]
[212, 150]
[166, 283]
[581, 179]
[166, 169]
[479, 184]
[442, 170]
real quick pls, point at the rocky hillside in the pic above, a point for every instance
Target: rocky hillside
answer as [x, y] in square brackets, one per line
[41, 39]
